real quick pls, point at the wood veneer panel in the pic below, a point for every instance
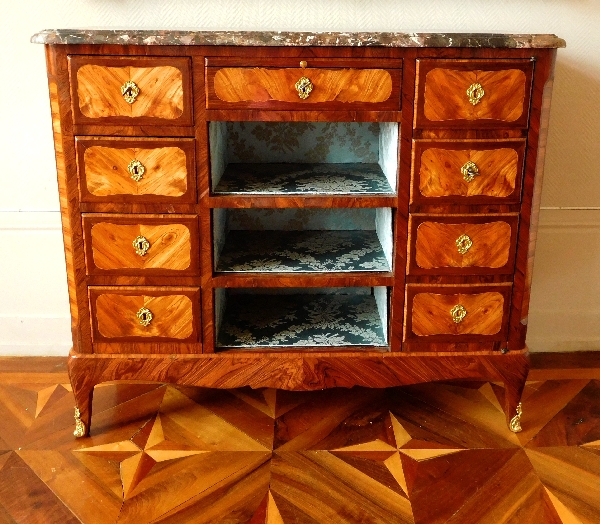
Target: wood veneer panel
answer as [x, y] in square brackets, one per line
[442, 99]
[175, 314]
[434, 249]
[173, 243]
[302, 115]
[169, 170]
[437, 176]
[66, 168]
[532, 189]
[401, 233]
[164, 90]
[337, 84]
[431, 314]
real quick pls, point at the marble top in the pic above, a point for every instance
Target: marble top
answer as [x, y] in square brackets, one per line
[284, 38]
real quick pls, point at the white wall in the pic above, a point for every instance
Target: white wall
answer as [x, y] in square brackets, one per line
[565, 309]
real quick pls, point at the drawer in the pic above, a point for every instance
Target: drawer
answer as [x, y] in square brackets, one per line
[131, 90]
[457, 313]
[281, 83]
[486, 93]
[136, 169]
[141, 244]
[467, 172]
[462, 244]
[144, 314]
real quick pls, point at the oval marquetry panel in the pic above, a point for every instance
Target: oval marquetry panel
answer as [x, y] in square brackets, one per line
[170, 246]
[242, 84]
[172, 316]
[106, 171]
[431, 314]
[446, 95]
[440, 172]
[436, 245]
[161, 91]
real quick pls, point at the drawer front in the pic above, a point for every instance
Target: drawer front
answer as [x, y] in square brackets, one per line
[463, 245]
[136, 170]
[131, 90]
[457, 313]
[467, 172]
[473, 93]
[283, 84]
[141, 245]
[144, 314]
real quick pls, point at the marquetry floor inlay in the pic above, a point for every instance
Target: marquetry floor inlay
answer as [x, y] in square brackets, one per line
[428, 454]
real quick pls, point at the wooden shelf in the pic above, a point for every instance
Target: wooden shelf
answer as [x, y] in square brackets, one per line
[303, 179]
[302, 252]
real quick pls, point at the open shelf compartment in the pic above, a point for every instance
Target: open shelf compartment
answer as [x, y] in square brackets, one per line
[294, 318]
[302, 240]
[303, 158]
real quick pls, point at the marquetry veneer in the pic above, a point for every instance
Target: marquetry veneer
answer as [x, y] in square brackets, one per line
[404, 258]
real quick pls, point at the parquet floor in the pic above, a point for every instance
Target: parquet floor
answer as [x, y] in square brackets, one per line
[427, 454]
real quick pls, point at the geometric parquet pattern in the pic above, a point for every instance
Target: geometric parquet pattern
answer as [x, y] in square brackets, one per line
[426, 454]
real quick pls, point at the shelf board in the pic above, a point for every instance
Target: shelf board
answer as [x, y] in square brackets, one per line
[302, 320]
[302, 252]
[303, 179]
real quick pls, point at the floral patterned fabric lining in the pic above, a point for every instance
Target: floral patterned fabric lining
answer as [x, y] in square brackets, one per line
[302, 251]
[308, 142]
[289, 179]
[301, 320]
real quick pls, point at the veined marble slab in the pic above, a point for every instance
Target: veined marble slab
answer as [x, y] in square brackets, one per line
[288, 38]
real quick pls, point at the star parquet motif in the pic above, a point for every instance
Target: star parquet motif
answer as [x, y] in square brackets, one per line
[425, 454]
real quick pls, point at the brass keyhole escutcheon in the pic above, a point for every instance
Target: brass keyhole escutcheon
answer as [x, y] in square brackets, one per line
[458, 313]
[463, 244]
[130, 91]
[475, 93]
[144, 316]
[136, 170]
[469, 171]
[141, 245]
[304, 87]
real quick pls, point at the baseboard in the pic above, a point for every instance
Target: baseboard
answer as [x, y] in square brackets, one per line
[35, 336]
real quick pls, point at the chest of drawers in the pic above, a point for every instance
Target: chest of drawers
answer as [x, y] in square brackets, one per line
[298, 211]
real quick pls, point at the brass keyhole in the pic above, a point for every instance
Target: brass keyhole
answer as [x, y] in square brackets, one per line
[136, 170]
[469, 171]
[304, 87]
[145, 316]
[130, 91]
[475, 93]
[458, 313]
[141, 245]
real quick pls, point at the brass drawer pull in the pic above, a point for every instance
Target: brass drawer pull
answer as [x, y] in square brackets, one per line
[136, 170]
[130, 91]
[141, 245]
[475, 93]
[304, 87]
[463, 244]
[469, 171]
[144, 316]
[458, 313]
